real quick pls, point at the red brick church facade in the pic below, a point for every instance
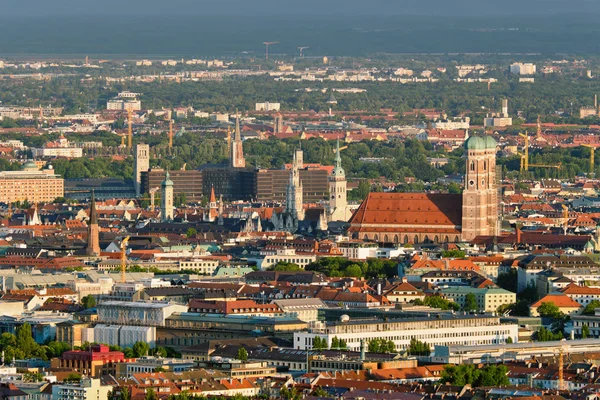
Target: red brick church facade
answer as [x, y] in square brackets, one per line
[404, 218]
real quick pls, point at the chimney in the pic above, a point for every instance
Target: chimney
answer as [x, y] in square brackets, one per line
[596, 101]
[519, 234]
[379, 289]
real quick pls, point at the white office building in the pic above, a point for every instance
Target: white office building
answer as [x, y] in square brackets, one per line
[441, 331]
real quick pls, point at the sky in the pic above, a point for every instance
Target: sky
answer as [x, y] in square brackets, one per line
[470, 8]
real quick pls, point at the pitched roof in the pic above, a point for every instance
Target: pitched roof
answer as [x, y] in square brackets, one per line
[410, 209]
[560, 300]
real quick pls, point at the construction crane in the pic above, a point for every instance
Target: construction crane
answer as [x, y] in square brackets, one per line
[267, 44]
[341, 148]
[592, 155]
[124, 258]
[170, 134]
[302, 48]
[129, 129]
[525, 158]
[525, 161]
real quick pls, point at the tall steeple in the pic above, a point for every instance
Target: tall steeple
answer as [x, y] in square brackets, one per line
[212, 206]
[338, 202]
[93, 245]
[237, 151]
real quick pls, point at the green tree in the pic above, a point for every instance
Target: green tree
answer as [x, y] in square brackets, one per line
[470, 302]
[546, 335]
[88, 301]
[418, 348]
[160, 352]
[242, 354]
[454, 253]
[381, 346]
[191, 232]
[124, 394]
[585, 331]
[141, 349]
[509, 340]
[319, 343]
[469, 374]
[73, 377]
[33, 377]
[319, 392]
[550, 310]
[286, 266]
[150, 394]
[25, 341]
[7, 340]
[290, 393]
[590, 309]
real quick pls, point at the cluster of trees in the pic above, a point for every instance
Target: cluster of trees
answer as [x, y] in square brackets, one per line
[338, 266]
[336, 344]
[469, 374]
[381, 346]
[470, 303]
[418, 348]
[437, 302]
[559, 319]
[22, 345]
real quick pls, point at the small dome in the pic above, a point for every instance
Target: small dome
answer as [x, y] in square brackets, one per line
[475, 143]
[490, 142]
[345, 318]
[30, 166]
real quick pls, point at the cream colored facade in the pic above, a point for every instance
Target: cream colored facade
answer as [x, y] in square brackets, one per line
[288, 255]
[33, 186]
[201, 265]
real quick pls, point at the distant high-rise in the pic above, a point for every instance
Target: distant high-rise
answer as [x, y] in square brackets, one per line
[93, 242]
[141, 163]
[237, 150]
[167, 199]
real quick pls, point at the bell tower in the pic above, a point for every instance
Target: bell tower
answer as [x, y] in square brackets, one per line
[480, 196]
[338, 203]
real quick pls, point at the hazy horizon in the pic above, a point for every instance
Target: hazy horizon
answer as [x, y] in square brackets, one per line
[470, 8]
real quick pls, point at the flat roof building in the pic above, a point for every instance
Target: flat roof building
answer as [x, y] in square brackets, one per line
[30, 184]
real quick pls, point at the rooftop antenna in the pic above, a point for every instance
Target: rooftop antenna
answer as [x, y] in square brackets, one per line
[267, 44]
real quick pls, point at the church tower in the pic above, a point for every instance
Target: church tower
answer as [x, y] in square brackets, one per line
[141, 163]
[480, 196]
[338, 203]
[167, 199]
[93, 242]
[237, 149]
[213, 209]
[297, 192]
